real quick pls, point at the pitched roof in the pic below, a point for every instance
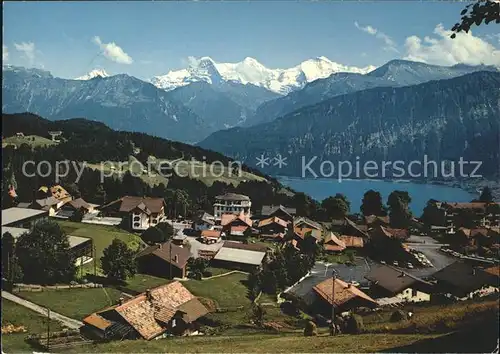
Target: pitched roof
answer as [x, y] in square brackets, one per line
[47, 202]
[351, 241]
[303, 220]
[399, 234]
[302, 232]
[79, 203]
[271, 209]
[360, 228]
[464, 278]
[204, 217]
[391, 279]
[344, 292]
[154, 205]
[145, 310]
[193, 309]
[370, 219]
[495, 270]
[227, 219]
[272, 220]
[97, 321]
[210, 233]
[233, 196]
[333, 243]
[162, 251]
[59, 192]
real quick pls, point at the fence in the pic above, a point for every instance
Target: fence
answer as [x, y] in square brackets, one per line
[37, 288]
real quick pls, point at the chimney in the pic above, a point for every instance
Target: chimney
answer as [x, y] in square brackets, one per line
[148, 295]
[176, 258]
[121, 300]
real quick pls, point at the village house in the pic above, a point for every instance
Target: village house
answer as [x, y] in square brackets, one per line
[203, 221]
[354, 229]
[280, 211]
[342, 295]
[69, 208]
[305, 223]
[479, 240]
[389, 282]
[140, 213]
[56, 191]
[333, 244]
[299, 234]
[374, 221]
[482, 214]
[23, 217]
[464, 281]
[239, 256]
[166, 260]
[50, 204]
[231, 203]
[235, 225]
[353, 242]
[167, 309]
[211, 236]
[272, 226]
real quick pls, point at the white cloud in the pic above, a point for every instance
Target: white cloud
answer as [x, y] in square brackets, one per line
[113, 52]
[443, 50]
[28, 50]
[5, 53]
[390, 45]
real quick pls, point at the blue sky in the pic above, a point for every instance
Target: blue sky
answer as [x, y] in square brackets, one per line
[151, 38]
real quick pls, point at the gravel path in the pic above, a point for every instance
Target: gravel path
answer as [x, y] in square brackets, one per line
[66, 321]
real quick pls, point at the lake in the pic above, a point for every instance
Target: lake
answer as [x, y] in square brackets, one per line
[321, 188]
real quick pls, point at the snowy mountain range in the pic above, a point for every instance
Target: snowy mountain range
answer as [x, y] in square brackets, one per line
[93, 74]
[250, 71]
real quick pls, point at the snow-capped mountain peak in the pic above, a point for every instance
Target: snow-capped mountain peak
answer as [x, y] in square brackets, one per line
[93, 74]
[250, 71]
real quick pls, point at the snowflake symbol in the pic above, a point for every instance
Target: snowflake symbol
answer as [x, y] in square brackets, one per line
[262, 161]
[280, 161]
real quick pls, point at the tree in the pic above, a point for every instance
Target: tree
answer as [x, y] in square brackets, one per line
[399, 213]
[336, 207]
[158, 234]
[432, 215]
[486, 195]
[77, 215]
[372, 204]
[118, 261]
[482, 10]
[44, 255]
[196, 267]
[257, 313]
[254, 285]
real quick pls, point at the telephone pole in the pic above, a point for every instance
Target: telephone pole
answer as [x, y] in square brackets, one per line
[332, 324]
[48, 329]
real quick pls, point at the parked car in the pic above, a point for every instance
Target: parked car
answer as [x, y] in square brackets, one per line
[382, 262]
[409, 265]
[395, 263]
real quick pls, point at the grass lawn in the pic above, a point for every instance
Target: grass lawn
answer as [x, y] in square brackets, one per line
[18, 315]
[342, 257]
[263, 343]
[433, 318]
[227, 291]
[218, 271]
[101, 235]
[74, 303]
[31, 140]
[142, 282]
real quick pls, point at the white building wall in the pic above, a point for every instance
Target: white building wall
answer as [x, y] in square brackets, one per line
[411, 295]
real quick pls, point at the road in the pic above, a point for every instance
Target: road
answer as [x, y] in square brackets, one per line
[322, 271]
[65, 321]
[430, 248]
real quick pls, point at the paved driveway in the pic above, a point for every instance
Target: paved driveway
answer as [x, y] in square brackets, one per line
[322, 271]
[66, 321]
[430, 248]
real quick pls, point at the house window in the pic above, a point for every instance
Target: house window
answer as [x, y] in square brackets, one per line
[136, 224]
[137, 218]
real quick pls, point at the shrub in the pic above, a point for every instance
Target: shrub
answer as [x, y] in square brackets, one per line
[310, 329]
[354, 324]
[399, 315]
